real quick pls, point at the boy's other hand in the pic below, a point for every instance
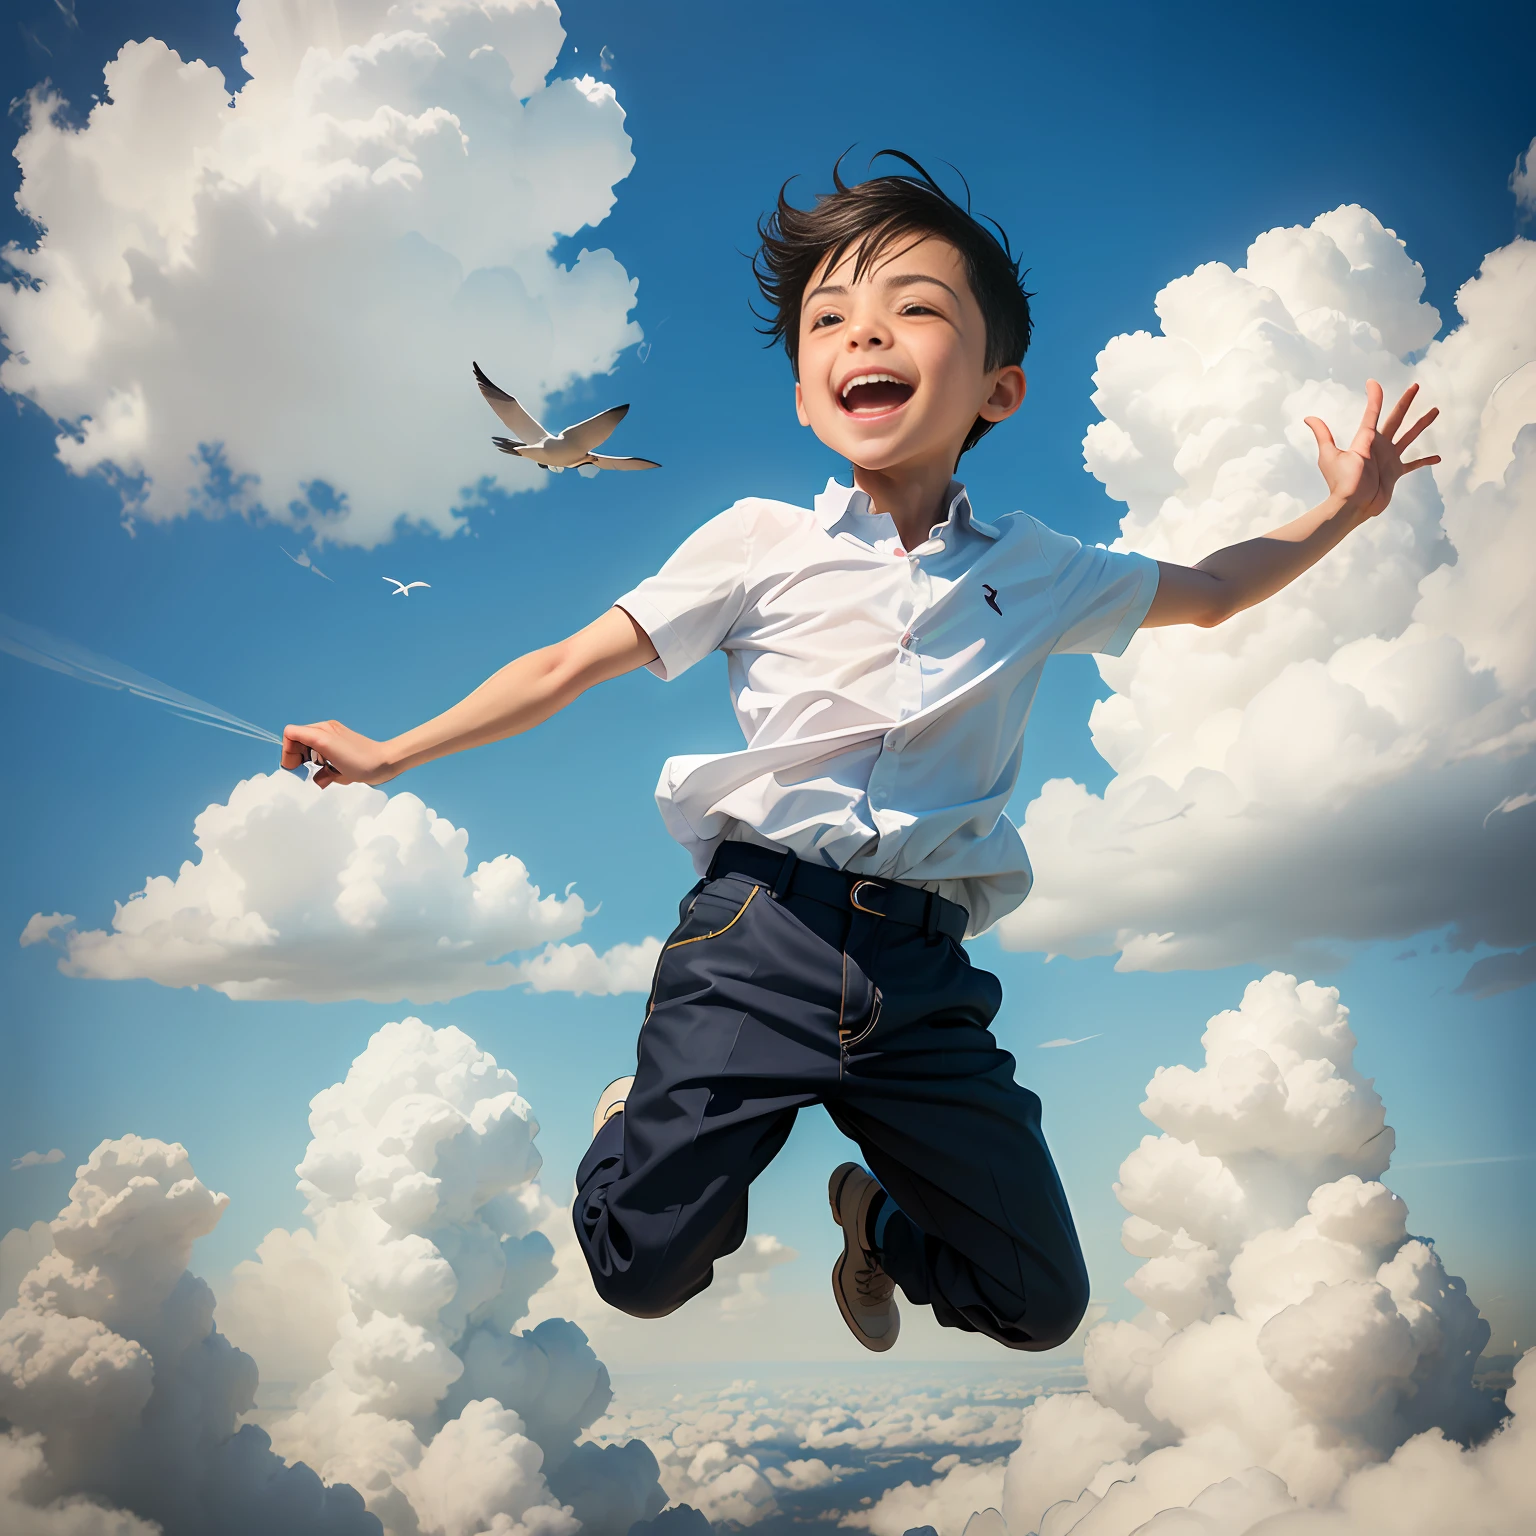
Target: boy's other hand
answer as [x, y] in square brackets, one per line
[1362, 477]
[350, 757]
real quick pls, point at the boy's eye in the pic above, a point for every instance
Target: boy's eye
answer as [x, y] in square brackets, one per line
[917, 309]
[822, 320]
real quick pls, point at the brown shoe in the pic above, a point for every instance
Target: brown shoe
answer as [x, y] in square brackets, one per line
[866, 1295]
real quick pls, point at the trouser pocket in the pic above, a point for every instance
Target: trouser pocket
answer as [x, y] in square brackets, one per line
[860, 1011]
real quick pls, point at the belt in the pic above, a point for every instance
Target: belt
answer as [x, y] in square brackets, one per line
[786, 874]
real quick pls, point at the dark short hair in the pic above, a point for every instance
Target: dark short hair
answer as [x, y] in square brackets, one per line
[867, 218]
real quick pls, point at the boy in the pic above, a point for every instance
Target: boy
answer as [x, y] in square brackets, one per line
[884, 648]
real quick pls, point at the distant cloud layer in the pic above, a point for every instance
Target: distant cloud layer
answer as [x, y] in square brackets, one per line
[234, 297]
[38, 1159]
[346, 892]
[1354, 759]
[746, 1452]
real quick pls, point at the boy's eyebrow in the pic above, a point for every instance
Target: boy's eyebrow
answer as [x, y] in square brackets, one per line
[904, 278]
[898, 281]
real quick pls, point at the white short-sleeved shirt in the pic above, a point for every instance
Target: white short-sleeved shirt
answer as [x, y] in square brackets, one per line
[882, 693]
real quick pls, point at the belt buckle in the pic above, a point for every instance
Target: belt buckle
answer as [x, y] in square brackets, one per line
[853, 897]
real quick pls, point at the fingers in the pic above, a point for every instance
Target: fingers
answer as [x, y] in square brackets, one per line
[1365, 433]
[1416, 428]
[1389, 427]
[1325, 442]
[295, 747]
[1373, 398]
[299, 739]
[1434, 458]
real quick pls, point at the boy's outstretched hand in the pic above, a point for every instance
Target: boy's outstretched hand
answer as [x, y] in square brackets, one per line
[1361, 479]
[1364, 475]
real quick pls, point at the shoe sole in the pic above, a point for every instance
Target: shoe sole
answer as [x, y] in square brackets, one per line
[834, 1189]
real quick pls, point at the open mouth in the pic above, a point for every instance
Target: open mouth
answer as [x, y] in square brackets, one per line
[874, 394]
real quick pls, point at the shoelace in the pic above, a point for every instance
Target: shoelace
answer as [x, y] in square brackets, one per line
[873, 1285]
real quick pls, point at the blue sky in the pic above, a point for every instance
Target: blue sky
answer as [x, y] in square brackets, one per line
[1120, 148]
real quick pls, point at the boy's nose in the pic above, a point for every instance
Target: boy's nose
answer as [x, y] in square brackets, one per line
[865, 336]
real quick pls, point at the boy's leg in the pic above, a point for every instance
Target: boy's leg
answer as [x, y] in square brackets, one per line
[979, 1229]
[741, 1033]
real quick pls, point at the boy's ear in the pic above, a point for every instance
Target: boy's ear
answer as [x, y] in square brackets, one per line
[1007, 394]
[805, 420]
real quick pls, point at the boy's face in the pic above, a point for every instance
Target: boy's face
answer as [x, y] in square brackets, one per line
[892, 371]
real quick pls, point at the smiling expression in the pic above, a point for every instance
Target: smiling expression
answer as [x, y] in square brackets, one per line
[892, 366]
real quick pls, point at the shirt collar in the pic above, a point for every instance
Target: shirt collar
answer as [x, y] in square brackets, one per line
[836, 500]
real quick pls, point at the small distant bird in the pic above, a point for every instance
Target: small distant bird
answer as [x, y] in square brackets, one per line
[403, 588]
[302, 558]
[570, 449]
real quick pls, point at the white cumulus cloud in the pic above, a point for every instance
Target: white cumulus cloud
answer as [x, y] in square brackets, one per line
[579, 968]
[1302, 1358]
[22, 1467]
[947, 1502]
[392, 1316]
[1283, 783]
[805, 1472]
[21, 1250]
[346, 892]
[741, 1278]
[117, 1387]
[41, 924]
[38, 1159]
[234, 297]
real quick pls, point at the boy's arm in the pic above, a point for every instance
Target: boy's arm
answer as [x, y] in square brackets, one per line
[523, 694]
[1360, 481]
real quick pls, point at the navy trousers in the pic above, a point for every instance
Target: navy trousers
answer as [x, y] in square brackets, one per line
[762, 1006]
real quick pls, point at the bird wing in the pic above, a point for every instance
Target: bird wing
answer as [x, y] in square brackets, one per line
[399, 586]
[586, 435]
[532, 453]
[511, 413]
[419, 584]
[603, 461]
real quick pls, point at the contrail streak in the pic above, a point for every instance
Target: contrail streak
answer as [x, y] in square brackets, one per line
[45, 650]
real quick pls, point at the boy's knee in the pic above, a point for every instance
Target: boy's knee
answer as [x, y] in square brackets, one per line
[1050, 1317]
[642, 1295]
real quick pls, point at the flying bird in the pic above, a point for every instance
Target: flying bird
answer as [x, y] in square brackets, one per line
[571, 449]
[403, 588]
